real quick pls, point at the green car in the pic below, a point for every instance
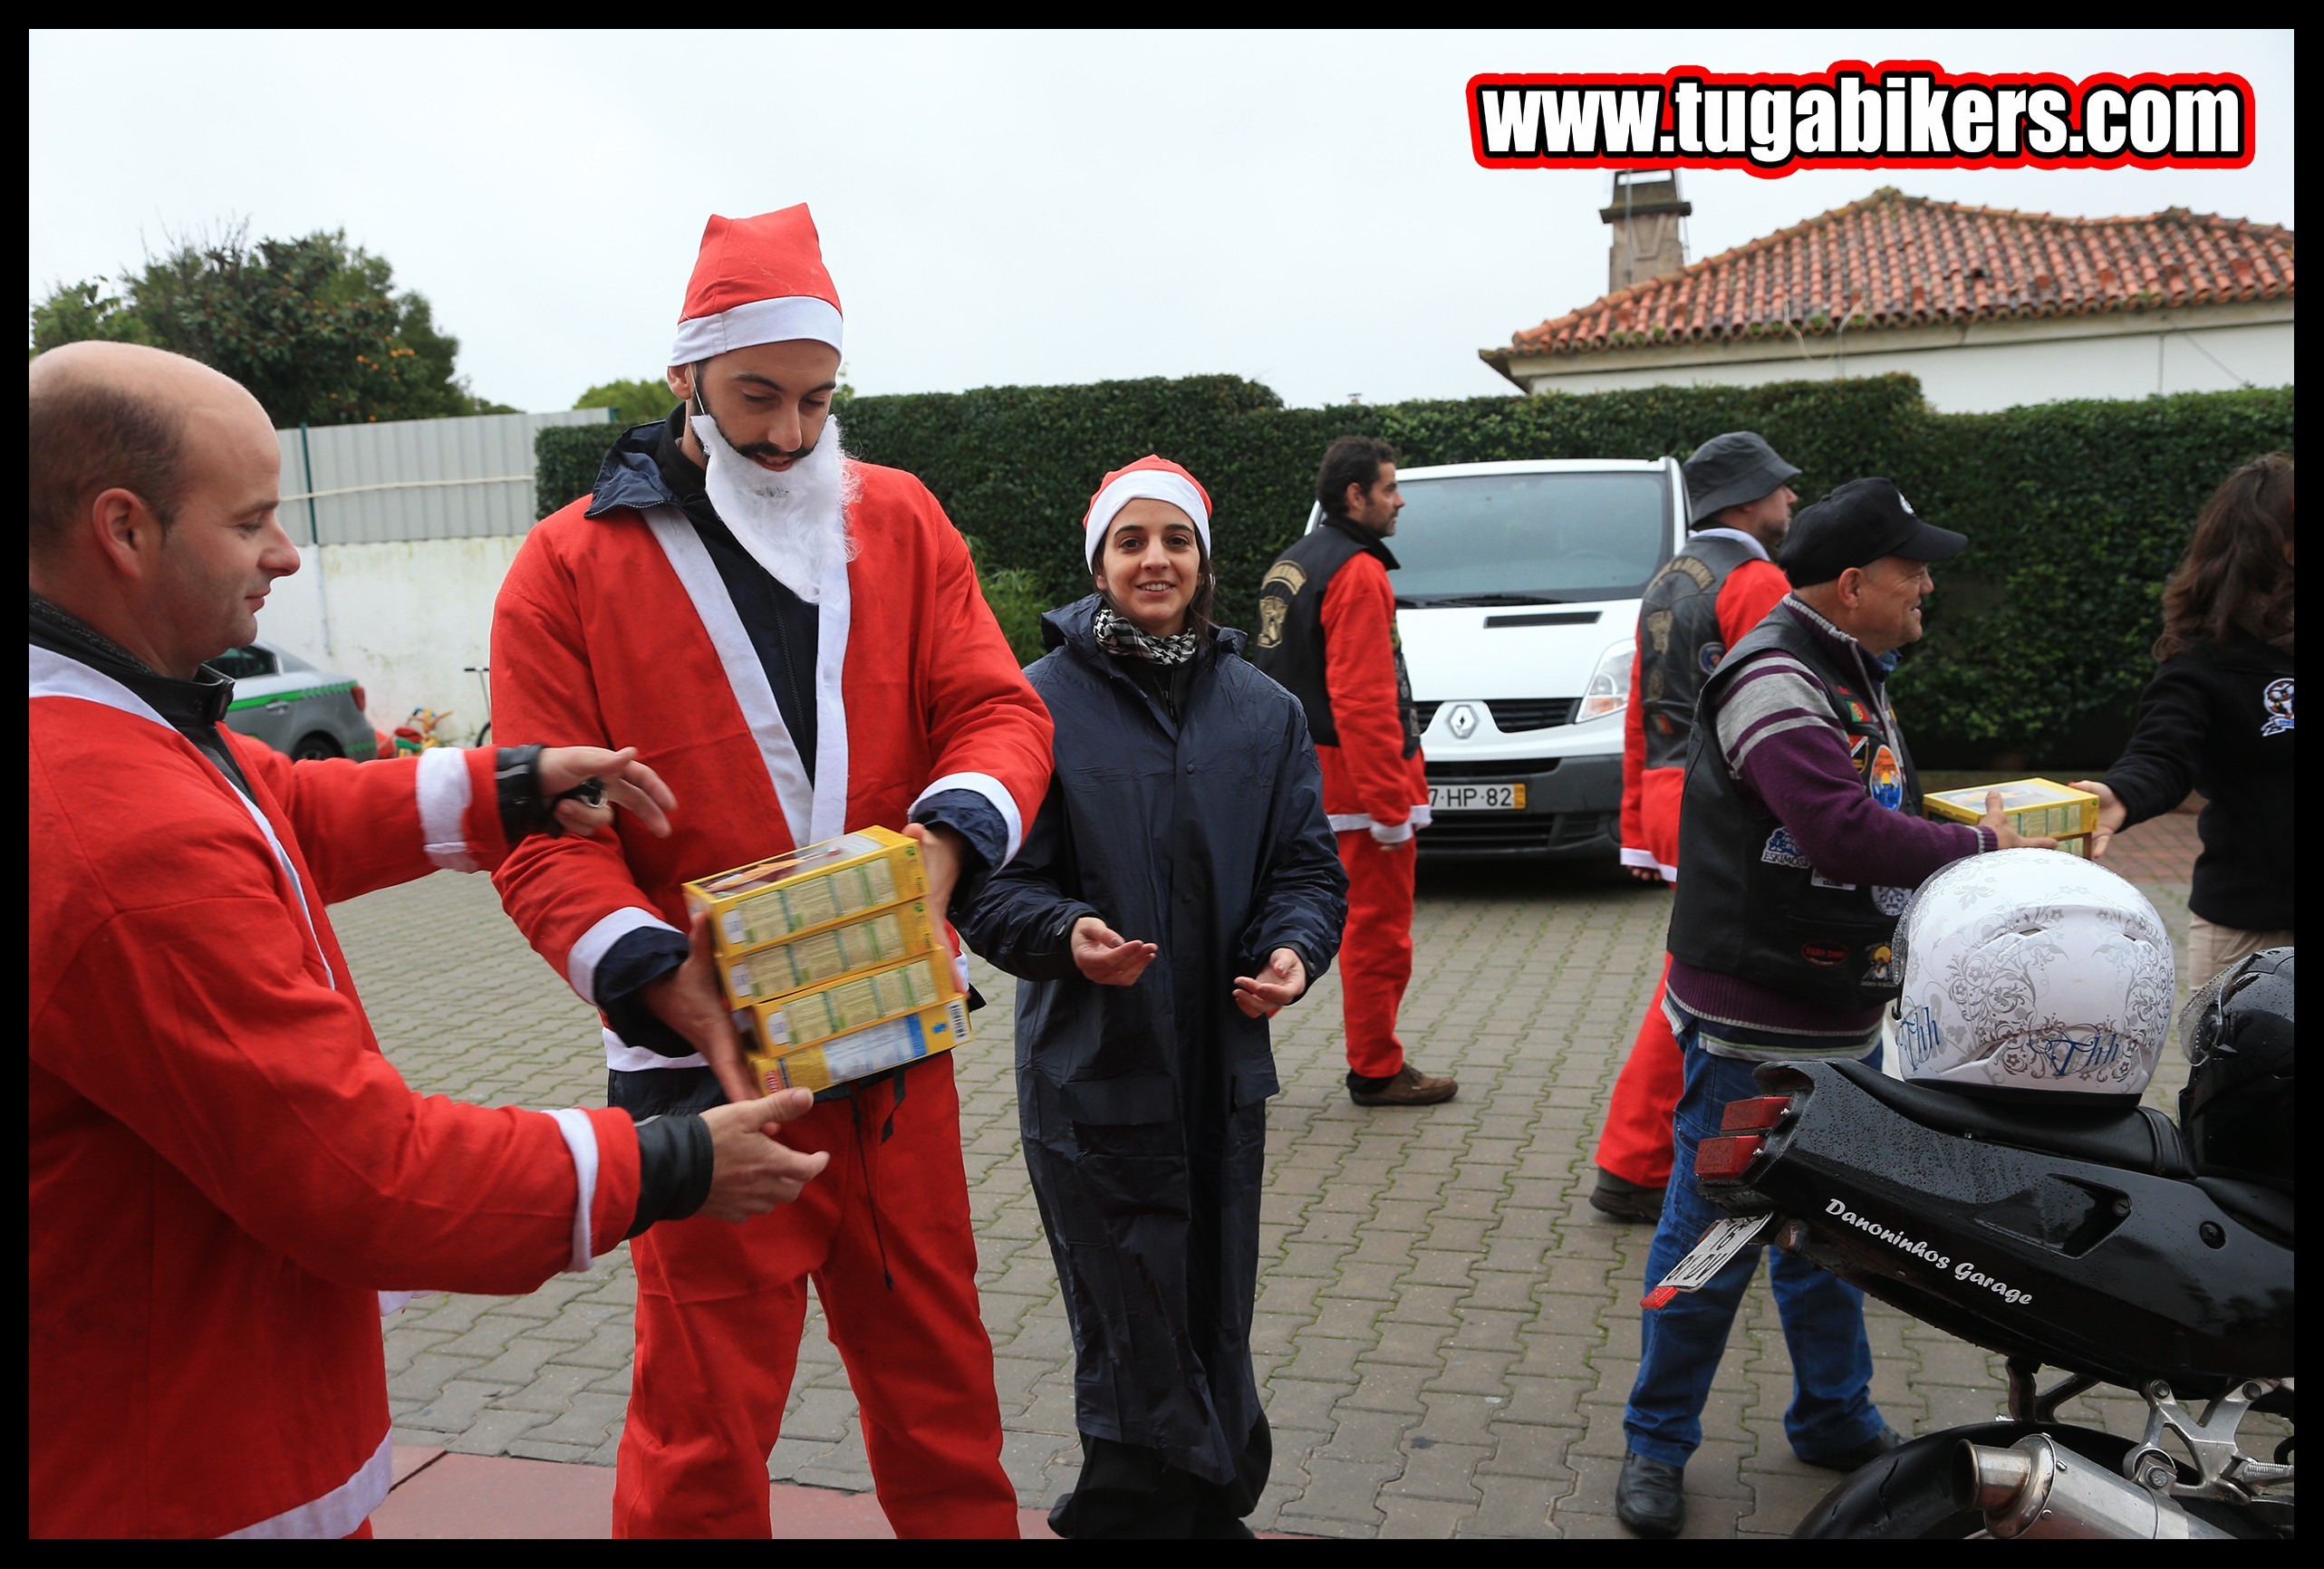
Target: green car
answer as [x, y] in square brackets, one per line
[281, 700]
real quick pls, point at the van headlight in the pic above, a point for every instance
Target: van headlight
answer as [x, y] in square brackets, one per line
[1609, 689]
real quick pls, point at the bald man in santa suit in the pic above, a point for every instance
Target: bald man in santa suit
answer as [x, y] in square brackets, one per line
[799, 642]
[226, 1176]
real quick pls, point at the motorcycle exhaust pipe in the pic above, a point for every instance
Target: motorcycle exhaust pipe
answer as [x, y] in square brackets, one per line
[2038, 1489]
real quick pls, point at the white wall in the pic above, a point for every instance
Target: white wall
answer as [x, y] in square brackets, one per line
[401, 617]
[1971, 370]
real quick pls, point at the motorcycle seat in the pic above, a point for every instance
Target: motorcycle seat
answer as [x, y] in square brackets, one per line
[2132, 1139]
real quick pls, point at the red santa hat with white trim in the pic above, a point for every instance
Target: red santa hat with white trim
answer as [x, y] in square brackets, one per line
[1150, 479]
[756, 281]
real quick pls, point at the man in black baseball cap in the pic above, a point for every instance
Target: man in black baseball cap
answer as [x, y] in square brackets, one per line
[1802, 838]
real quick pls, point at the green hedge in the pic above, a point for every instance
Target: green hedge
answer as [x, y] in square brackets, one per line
[2036, 638]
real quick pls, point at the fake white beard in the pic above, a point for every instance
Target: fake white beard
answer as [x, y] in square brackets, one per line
[794, 523]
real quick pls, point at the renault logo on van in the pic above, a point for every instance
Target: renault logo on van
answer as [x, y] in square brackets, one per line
[1461, 721]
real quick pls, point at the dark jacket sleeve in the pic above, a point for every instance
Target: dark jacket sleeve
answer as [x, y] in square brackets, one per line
[1303, 891]
[1022, 919]
[2166, 746]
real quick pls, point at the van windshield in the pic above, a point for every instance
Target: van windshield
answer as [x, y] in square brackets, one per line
[1504, 539]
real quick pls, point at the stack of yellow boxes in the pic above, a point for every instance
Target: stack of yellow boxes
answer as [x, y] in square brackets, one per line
[832, 961]
[2037, 808]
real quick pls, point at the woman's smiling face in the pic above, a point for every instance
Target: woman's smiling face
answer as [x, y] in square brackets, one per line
[1151, 565]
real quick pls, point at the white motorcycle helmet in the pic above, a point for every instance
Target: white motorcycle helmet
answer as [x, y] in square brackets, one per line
[2034, 973]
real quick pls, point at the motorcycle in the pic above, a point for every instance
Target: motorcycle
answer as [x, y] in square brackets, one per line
[2073, 1238]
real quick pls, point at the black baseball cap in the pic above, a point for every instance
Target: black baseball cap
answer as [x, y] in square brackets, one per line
[1730, 470]
[1855, 525]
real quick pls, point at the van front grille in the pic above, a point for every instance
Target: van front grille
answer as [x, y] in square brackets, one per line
[1513, 713]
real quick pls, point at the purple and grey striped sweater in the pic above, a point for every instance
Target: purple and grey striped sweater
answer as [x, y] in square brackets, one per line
[1780, 739]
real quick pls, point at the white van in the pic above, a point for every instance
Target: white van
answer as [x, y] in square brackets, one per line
[1517, 603]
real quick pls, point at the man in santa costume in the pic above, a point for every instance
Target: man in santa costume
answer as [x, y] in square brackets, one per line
[229, 1182]
[1700, 605]
[1328, 633]
[799, 641]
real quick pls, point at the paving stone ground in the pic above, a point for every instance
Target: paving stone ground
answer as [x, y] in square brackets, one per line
[1445, 1330]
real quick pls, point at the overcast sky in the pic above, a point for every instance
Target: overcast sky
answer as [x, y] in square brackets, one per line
[995, 208]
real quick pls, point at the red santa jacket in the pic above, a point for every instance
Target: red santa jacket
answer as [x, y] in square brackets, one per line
[619, 624]
[1688, 651]
[226, 1172]
[1368, 779]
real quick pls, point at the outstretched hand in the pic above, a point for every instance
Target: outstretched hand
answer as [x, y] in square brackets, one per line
[1103, 955]
[1277, 984]
[2004, 836]
[751, 1168]
[625, 782]
[2112, 814]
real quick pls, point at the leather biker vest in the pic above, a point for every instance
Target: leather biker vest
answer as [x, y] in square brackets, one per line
[1749, 904]
[1680, 643]
[1289, 644]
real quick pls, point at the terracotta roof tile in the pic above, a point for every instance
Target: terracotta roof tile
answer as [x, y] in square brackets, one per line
[1893, 260]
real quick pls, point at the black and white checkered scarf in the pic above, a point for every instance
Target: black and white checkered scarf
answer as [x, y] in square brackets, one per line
[1117, 634]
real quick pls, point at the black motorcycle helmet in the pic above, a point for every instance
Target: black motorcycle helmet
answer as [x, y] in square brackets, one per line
[2237, 1109]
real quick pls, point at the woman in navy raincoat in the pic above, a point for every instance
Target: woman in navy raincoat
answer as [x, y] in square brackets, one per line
[1179, 886]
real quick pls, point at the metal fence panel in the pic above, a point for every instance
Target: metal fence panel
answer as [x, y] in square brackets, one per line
[414, 478]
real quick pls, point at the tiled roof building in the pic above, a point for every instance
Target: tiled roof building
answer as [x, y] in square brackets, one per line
[1882, 283]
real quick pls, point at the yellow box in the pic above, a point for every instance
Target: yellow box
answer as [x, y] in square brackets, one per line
[862, 1053]
[815, 886]
[835, 952]
[2036, 808]
[802, 1018]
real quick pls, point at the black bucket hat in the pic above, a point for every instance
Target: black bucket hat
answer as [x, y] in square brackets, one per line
[1729, 470]
[1854, 526]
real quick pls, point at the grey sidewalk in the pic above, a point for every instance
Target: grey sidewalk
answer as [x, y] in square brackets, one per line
[1445, 1330]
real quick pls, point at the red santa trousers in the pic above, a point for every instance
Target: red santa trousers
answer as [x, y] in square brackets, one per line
[1636, 1143]
[884, 1234]
[1375, 951]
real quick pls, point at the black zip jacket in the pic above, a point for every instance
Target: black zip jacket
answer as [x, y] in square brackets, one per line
[2218, 718]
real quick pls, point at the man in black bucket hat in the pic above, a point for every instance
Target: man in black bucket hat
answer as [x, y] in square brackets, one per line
[1716, 589]
[1802, 839]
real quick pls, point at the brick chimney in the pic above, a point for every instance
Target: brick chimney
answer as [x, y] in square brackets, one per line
[1644, 216]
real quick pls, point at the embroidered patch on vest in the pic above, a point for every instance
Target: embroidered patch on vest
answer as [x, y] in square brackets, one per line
[1879, 970]
[1824, 955]
[1782, 850]
[1891, 901]
[1711, 655]
[1887, 780]
[2278, 701]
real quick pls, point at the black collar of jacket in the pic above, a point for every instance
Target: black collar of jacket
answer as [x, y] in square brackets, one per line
[203, 700]
[647, 468]
[1371, 543]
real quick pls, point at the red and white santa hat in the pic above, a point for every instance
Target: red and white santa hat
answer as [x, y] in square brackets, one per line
[1150, 479]
[756, 281]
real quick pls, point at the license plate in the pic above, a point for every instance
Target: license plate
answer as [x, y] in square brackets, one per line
[1479, 797]
[1725, 1239]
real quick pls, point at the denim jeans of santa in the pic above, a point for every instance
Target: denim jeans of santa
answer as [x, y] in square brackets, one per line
[1681, 1344]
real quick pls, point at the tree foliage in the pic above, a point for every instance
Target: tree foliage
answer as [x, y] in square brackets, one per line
[314, 328]
[632, 402]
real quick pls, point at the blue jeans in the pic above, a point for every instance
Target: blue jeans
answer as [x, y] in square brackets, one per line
[1681, 1344]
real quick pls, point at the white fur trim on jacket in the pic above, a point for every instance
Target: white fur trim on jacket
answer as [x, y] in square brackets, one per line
[337, 1512]
[995, 793]
[1150, 485]
[581, 1143]
[580, 964]
[1645, 858]
[624, 1058]
[1386, 833]
[783, 321]
[445, 793]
